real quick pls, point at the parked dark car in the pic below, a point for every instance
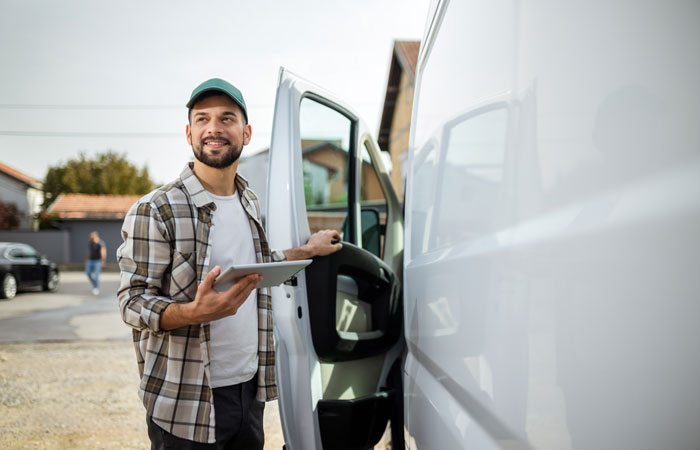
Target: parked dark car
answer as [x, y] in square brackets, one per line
[23, 267]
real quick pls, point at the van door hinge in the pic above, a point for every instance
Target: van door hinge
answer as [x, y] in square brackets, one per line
[292, 281]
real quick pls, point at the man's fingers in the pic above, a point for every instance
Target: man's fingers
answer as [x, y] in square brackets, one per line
[324, 243]
[335, 236]
[208, 281]
[244, 286]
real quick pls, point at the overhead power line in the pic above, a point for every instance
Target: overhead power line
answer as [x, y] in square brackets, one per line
[90, 107]
[80, 134]
[107, 107]
[134, 107]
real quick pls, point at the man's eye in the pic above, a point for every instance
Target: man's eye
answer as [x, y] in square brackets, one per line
[201, 119]
[228, 119]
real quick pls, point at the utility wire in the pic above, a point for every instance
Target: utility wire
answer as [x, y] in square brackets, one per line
[72, 134]
[91, 107]
[131, 107]
[81, 134]
[107, 107]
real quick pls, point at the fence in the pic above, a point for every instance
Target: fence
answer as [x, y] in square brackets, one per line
[54, 244]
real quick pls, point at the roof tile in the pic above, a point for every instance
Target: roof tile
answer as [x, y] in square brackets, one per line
[85, 206]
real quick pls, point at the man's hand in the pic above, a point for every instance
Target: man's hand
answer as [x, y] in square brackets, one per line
[319, 244]
[209, 304]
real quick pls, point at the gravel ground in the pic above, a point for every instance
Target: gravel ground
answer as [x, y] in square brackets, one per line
[79, 395]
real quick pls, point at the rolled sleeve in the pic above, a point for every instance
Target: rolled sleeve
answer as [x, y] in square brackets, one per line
[143, 259]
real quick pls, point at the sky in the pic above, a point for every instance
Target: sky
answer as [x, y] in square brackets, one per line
[90, 76]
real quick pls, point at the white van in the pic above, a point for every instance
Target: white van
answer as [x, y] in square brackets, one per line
[542, 288]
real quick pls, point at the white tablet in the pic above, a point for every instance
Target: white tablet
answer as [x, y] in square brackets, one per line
[273, 274]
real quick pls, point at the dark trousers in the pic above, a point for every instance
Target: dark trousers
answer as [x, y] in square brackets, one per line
[239, 422]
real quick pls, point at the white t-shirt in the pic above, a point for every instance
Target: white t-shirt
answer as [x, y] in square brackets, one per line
[234, 339]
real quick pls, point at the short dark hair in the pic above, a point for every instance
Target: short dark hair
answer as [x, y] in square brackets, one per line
[206, 95]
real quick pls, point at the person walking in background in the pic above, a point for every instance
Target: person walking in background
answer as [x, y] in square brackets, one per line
[95, 260]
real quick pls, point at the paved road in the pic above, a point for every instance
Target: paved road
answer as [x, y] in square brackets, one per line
[70, 313]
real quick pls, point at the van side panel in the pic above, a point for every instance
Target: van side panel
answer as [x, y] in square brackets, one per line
[551, 288]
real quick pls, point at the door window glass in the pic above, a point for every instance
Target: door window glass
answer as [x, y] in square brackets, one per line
[325, 145]
[29, 252]
[22, 251]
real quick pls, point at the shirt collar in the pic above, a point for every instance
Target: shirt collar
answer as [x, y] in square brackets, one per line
[198, 194]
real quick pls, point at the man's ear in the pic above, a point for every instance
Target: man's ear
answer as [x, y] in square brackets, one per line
[188, 133]
[247, 134]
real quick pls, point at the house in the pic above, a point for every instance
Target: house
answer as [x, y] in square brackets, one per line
[254, 169]
[398, 105]
[81, 214]
[23, 191]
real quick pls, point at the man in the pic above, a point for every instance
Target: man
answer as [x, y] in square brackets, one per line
[206, 358]
[95, 260]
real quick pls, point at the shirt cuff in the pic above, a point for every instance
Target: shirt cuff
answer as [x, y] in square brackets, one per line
[278, 256]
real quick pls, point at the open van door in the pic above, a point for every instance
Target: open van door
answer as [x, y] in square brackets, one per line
[338, 324]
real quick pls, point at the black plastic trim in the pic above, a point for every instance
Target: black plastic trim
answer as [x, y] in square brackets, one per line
[377, 285]
[355, 424]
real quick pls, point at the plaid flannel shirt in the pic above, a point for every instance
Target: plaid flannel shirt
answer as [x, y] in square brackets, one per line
[163, 259]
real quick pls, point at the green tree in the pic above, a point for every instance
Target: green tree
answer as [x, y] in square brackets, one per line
[106, 173]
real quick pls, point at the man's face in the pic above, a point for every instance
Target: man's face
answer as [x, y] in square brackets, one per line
[217, 131]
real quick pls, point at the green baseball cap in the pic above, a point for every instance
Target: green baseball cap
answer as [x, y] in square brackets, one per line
[223, 86]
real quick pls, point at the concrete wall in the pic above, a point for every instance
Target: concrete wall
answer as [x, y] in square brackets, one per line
[109, 231]
[54, 244]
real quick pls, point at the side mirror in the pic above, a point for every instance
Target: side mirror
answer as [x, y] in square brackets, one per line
[372, 231]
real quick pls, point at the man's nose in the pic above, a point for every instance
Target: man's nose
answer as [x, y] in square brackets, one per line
[214, 127]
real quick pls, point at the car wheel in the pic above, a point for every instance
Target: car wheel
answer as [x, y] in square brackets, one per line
[51, 282]
[9, 286]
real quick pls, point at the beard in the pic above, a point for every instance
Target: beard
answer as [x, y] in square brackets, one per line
[217, 162]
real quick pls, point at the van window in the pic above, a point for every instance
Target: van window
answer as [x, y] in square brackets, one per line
[325, 143]
[471, 188]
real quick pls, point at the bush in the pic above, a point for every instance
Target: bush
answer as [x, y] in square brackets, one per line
[10, 216]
